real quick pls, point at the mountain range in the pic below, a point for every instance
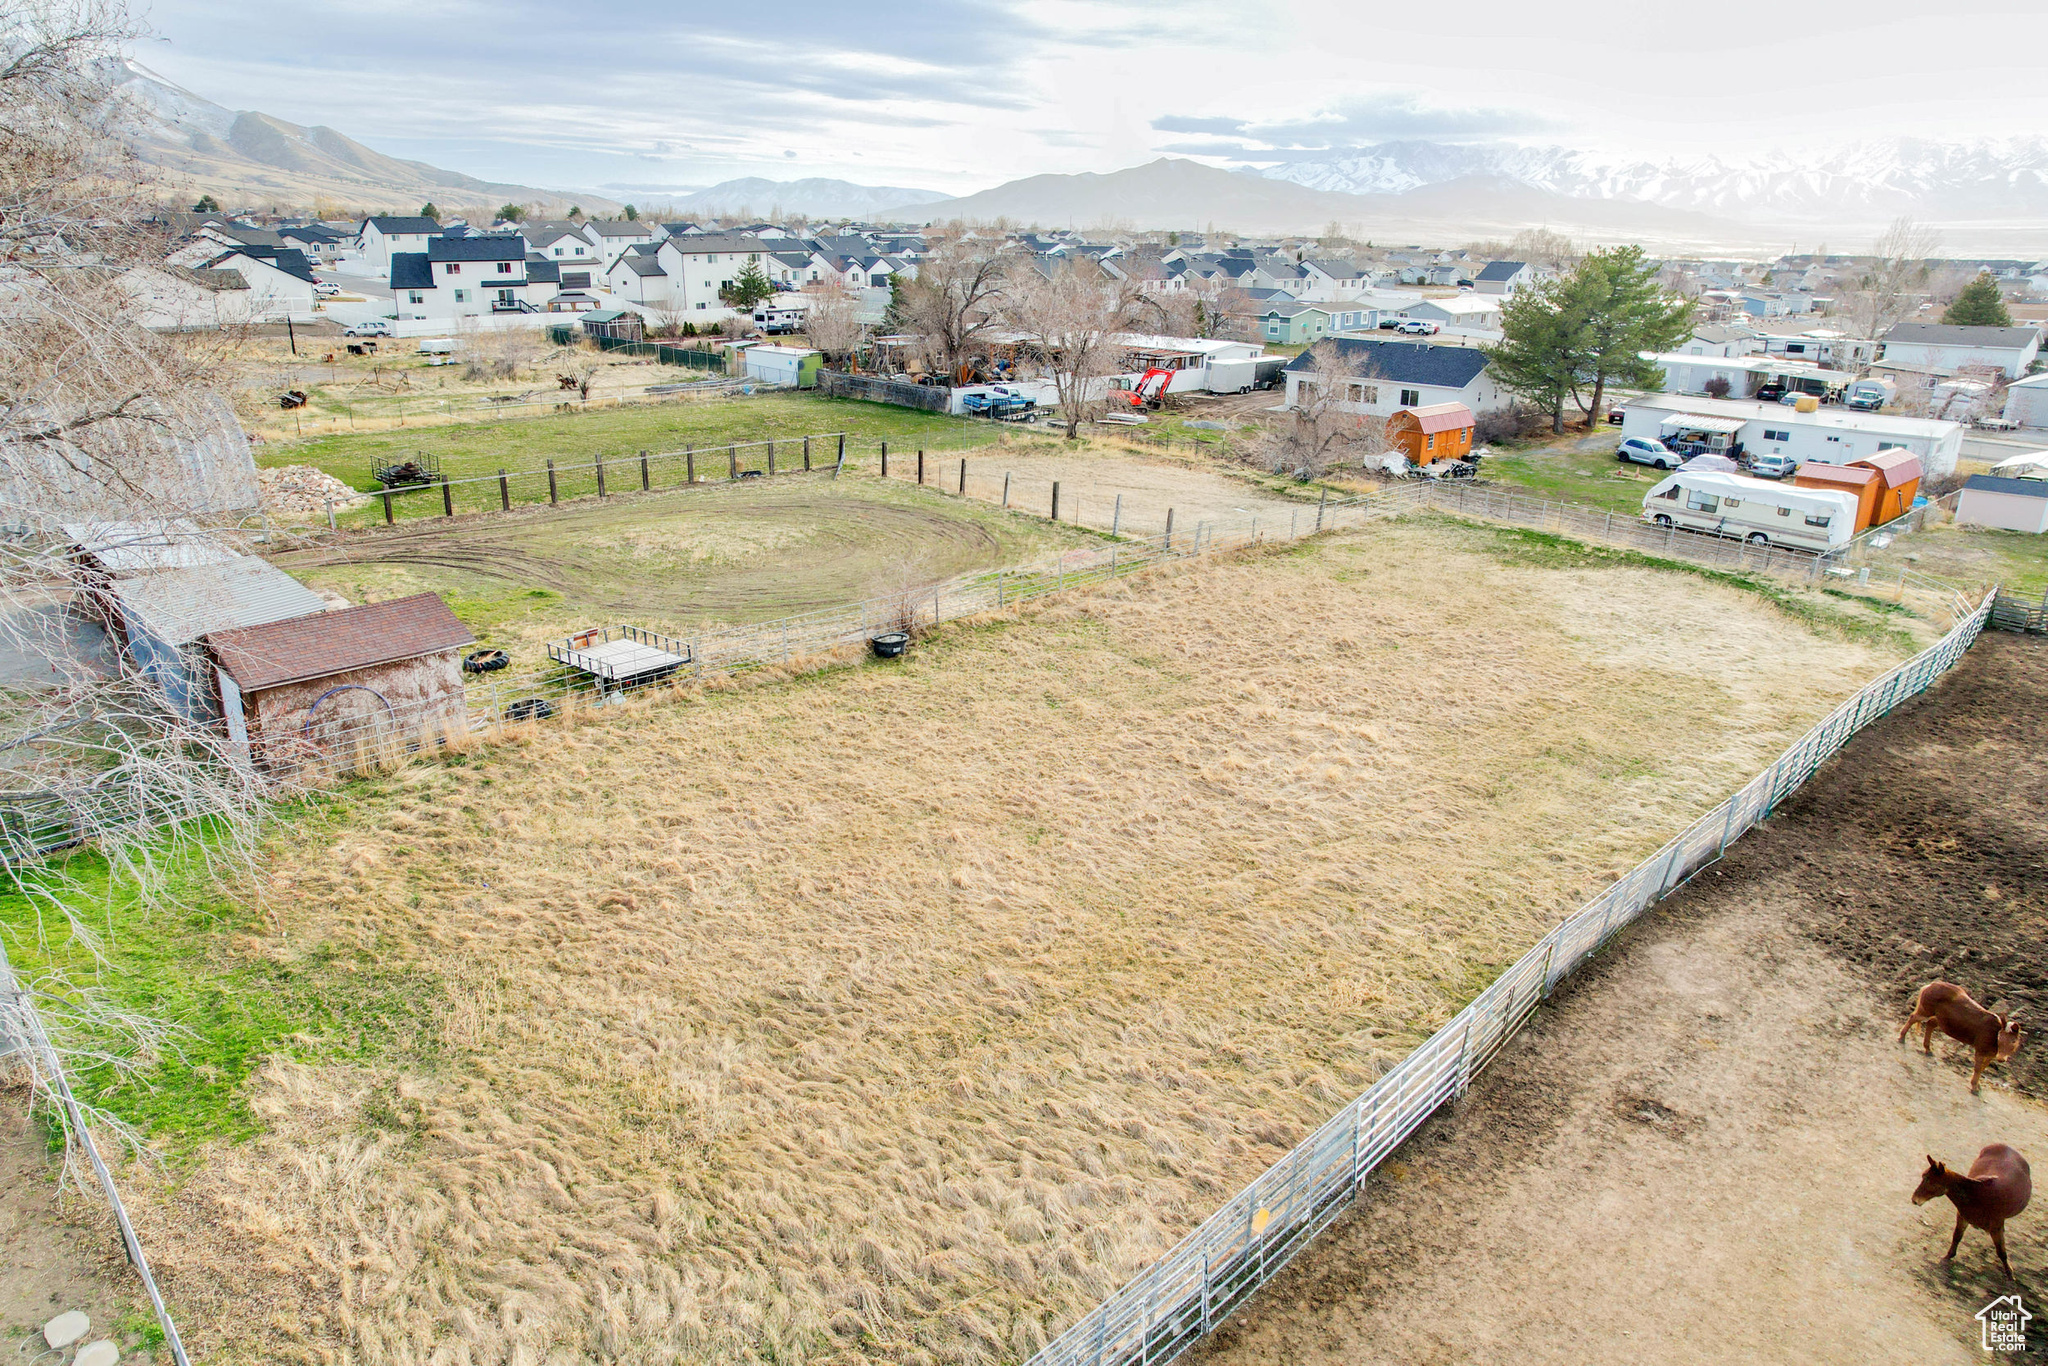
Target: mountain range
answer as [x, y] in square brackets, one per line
[1862, 186]
[815, 197]
[241, 157]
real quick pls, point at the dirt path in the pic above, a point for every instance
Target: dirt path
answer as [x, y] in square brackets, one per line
[1704, 1150]
[47, 1263]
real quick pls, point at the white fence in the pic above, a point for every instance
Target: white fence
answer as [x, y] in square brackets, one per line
[1237, 1249]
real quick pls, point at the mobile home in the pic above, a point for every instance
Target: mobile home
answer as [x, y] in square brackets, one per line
[1754, 510]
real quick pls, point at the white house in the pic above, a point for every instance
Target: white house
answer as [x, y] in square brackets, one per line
[1382, 377]
[1746, 375]
[1327, 281]
[698, 267]
[613, 237]
[462, 277]
[1834, 436]
[1504, 277]
[564, 244]
[185, 298]
[280, 281]
[2026, 401]
[641, 276]
[383, 237]
[1716, 339]
[1465, 312]
[1945, 349]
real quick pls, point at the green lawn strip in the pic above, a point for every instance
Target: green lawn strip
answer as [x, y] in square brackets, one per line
[1546, 550]
[473, 449]
[189, 962]
[1593, 478]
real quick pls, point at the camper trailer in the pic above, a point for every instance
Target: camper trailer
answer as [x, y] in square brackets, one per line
[1753, 510]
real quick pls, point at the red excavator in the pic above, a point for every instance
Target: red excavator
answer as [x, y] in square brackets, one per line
[1145, 395]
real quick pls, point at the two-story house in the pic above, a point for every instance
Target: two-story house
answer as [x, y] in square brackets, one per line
[383, 237]
[462, 277]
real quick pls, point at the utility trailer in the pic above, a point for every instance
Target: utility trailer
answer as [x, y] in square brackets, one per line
[621, 657]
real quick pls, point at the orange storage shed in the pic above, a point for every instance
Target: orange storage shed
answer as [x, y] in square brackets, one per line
[1898, 474]
[1441, 431]
[1862, 484]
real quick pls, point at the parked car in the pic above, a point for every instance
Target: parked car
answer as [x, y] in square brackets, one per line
[375, 327]
[1415, 327]
[1640, 450]
[325, 290]
[1770, 393]
[1389, 324]
[1773, 466]
[1615, 416]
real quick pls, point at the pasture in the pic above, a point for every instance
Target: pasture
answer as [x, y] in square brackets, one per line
[898, 1013]
[720, 553]
[1705, 1150]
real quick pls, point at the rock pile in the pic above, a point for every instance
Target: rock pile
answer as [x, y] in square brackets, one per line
[303, 491]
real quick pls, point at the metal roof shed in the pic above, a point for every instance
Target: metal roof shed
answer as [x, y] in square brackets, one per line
[162, 615]
[1898, 476]
[1863, 485]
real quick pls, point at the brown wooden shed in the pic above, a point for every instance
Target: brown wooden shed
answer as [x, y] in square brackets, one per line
[1899, 473]
[1441, 431]
[331, 688]
[1863, 485]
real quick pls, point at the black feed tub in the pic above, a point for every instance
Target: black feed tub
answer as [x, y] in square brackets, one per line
[485, 661]
[890, 644]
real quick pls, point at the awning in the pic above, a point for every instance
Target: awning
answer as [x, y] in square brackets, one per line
[1701, 422]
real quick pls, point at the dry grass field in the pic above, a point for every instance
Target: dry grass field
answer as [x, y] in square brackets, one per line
[898, 1013]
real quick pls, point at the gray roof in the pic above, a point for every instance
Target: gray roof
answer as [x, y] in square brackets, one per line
[620, 227]
[642, 265]
[410, 270]
[483, 247]
[1941, 334]
[1501, 270]
[180, 605]
[540, 270]
[1992, 483]
[1448, 367]
[720, 244]
[389, 225]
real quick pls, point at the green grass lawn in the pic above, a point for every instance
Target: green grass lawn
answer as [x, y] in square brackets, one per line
[1574, 468]
[524, 443]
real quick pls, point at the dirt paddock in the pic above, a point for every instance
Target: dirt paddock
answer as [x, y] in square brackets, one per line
[1704, 1149]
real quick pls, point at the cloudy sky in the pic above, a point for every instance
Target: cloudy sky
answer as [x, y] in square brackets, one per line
[964, 94]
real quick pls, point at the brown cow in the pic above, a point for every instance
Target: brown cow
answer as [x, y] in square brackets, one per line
[1994, 1037]
[1997, 1188]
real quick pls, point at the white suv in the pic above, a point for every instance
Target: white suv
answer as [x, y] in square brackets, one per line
[1643, 451]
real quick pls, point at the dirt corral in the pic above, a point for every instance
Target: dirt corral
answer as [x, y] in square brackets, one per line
[1704, 1150]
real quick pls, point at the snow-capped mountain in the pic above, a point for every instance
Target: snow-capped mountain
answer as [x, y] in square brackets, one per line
[1865, 183]
[817, 196]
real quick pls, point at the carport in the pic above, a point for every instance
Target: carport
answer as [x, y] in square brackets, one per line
[1701, 433]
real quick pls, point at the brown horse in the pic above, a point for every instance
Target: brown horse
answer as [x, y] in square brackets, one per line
[1991, 1036]
[1997, 1188]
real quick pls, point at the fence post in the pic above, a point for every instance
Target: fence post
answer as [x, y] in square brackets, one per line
[1205, 1292]
[1055, 500]
[598, 465]
[771, 459]
[387, 507]
[447, 497]
[1167, 546]
[920, 467]
[327, 500]
[1323, 503]
[732, 462]
[554, 495]
[807, 455]
[1006, 488]
[646, 479]
[1116, 515]
[504, 491]
[689, 464]
[842, 457]
[963, 485]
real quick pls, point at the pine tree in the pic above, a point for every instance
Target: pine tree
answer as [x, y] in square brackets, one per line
[1537, 356]
[1627, 314]
[207, 204]
[427, 210]
[750, 287]
[1979, 305]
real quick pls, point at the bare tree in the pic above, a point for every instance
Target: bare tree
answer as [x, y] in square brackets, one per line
[1325, 429]
[955, 299]
[1075, 317]
[1545, 249]
[833, 323]
[112, 434]
[1891, 286]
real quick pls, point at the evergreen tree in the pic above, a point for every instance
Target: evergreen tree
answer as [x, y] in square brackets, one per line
[207, 204]
[1537, 356]
[1979, 305]
[750, 288]
[427, 210]
[632, 214]
[1626, 314]
[511, 213]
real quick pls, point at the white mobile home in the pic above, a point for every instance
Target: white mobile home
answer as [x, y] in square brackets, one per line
[1755, 510]
[1831, 435]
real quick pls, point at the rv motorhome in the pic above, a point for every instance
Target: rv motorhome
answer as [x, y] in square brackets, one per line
[1753, 510]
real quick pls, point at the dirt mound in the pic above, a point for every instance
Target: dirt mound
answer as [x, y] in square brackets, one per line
[302, 490]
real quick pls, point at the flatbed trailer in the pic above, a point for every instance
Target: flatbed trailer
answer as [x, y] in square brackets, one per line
[621, 656]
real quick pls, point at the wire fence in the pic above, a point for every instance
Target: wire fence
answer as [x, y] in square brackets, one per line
[1216, 1268]
[21, 1030]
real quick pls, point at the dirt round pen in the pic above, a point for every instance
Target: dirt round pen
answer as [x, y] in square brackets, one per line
[902, 1012]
